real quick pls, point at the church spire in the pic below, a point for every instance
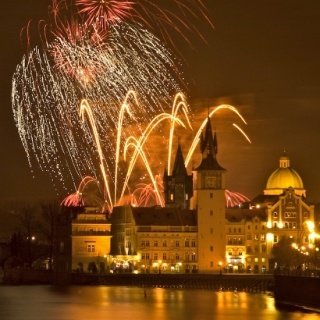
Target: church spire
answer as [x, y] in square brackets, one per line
[209, 149]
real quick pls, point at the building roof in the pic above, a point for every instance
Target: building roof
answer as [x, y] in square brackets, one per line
[236, 215]
[283, 178]
[163, 216]
[209, 150]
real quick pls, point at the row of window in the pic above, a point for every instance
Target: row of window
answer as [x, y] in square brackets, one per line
[287, 225]
[256, 259]
[291, 214]
[256, 237]
[235, 241]
[255, 227]
[235, 230]
[256, 249]
[187, 243]
[176, 256]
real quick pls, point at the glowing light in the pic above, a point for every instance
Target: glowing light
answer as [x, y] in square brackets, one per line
[269, 236]
[197, 137]
[121, 77]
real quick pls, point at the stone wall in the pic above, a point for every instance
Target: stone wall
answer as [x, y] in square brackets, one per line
[27, 276]
[298, 290]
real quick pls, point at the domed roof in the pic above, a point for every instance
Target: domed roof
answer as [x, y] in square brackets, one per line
[283, 178]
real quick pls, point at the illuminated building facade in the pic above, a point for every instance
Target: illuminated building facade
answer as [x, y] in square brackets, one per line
[280, 211]
[154, 239]
[194, 232]
[82, 240]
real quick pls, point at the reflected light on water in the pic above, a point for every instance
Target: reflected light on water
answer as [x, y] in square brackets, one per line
[99, 302]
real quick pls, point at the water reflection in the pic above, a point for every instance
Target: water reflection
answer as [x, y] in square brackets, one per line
[47, 302]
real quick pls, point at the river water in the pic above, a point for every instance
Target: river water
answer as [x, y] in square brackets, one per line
[100, 302]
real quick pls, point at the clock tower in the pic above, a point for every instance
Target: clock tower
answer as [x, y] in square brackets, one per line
[209, 202]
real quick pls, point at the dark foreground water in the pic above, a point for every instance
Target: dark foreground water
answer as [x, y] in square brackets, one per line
[47, 302]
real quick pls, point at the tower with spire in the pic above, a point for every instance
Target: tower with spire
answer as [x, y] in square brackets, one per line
[178, 187]
[209, 203]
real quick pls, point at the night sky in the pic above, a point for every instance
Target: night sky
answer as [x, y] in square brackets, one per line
[262, 58]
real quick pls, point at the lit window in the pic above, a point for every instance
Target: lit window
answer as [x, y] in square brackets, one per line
[91, 248]
[256, 260]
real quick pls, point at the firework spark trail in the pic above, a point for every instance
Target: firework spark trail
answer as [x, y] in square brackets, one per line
[197, 137]
[84, 183]
[234, 198]
[124, 108]
[243, 133]
[101, 60]
[133, 142]
[141, 142]
[177, 105]
[48, 84]
[84, 107]
[177, 15]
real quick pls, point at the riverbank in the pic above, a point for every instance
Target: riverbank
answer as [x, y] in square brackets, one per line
[216, 282]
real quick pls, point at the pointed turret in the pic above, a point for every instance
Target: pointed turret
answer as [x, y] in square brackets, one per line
[178, 167]
[178, 186]
[209, 150]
